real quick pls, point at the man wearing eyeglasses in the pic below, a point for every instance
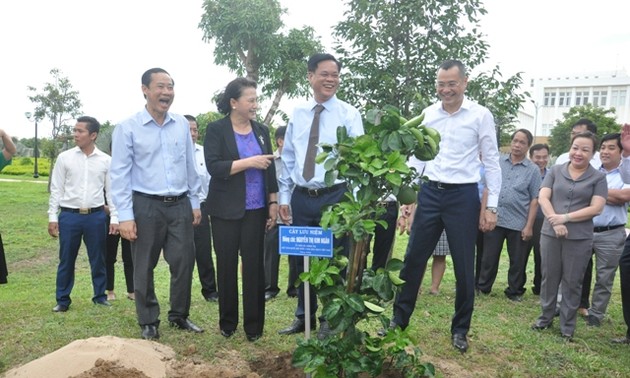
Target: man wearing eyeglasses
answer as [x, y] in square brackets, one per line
[450, 200]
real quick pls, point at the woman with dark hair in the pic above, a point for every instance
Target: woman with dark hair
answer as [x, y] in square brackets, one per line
[242, 203]
[570, 196]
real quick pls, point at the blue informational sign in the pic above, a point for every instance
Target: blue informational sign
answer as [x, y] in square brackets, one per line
[305, 241]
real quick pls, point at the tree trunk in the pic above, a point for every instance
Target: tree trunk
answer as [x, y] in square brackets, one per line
[356, 263]
[275, 104]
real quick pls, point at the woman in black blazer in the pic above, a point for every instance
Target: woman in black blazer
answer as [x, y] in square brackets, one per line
[242, 203]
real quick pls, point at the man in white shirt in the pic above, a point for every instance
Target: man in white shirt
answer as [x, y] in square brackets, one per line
[203, 233]
[79, 178]
[450, 199]
[609, 231]
[624, 260]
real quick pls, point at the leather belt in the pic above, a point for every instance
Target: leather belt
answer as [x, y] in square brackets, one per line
[388, 204]
[83, 210]
[319, 191]
[607, 228]
[445, 186]
[166, 199]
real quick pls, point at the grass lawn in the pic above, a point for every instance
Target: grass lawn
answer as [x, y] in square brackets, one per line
[501, 342]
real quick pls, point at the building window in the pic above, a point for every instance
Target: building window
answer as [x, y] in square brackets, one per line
[550, 98]
[546, 129]
[617, 97]
[599, 98]
[581, 97]
[564, 98]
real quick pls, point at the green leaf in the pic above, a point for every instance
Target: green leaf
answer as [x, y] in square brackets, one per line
[395, 278]
[373, 307]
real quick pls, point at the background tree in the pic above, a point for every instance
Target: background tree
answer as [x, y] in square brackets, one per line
[58, 103]
[391, 49]
[202, 123]
[501, 98]
[247, 39]
[560, 138]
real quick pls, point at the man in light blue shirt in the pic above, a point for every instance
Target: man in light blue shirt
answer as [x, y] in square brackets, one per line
[155, 187]
[307, 196]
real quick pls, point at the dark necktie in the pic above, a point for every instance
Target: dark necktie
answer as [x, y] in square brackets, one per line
[311, 150]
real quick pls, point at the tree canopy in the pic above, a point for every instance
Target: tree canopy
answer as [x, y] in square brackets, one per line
[391, 50]
[58, 103]
[248, 39]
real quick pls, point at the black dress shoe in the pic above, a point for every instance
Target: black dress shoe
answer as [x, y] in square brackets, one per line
[539, 326]
[104, 303]
[324, 330]
[185, 324]
[297, 326]
[383, 332]
[212, 297]
[270, 295]
[566, 337]
[292, 292]
[621, 340]
[60, 308]
[253, 337]
[593, 321]
[150, 332]
[460, 343]
[227, 333]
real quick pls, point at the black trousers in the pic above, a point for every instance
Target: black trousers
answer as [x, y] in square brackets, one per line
[384, 237]
[307, 211]
[624, 278]
[534, 244]
[493, 245]
[272, 263]
[455, 209]
[110, 261]
[163, 229]
[245, 236]
[203, 254]
[3, 264]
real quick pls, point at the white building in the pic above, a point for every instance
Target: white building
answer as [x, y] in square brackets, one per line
[555, 95]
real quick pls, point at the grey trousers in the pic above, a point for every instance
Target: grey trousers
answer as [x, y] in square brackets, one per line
[162, 228]
[608, 246]
[563, 262]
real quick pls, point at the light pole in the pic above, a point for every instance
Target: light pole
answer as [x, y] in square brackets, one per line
[36, 153]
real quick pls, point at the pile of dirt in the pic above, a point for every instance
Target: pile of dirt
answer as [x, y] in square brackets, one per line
[111, 356]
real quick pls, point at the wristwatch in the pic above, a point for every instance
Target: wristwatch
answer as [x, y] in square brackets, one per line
[492, 209]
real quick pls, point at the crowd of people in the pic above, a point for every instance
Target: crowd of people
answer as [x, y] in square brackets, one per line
[163, 194]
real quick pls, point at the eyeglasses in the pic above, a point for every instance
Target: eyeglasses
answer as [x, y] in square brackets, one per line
[449, 85]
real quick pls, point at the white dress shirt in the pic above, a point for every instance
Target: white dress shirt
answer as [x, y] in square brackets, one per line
[80, 181]
[204, 176]
[464, 135]
[336, 113]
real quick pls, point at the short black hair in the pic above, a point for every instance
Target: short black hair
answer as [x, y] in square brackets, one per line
[528, 135]
[93, 125]
[190, 118]
[146, 76]
[315, 59]
[280, 132]
[590, 125]
[234, 90]
[613, 136]
[536, 147]
[450, 63]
